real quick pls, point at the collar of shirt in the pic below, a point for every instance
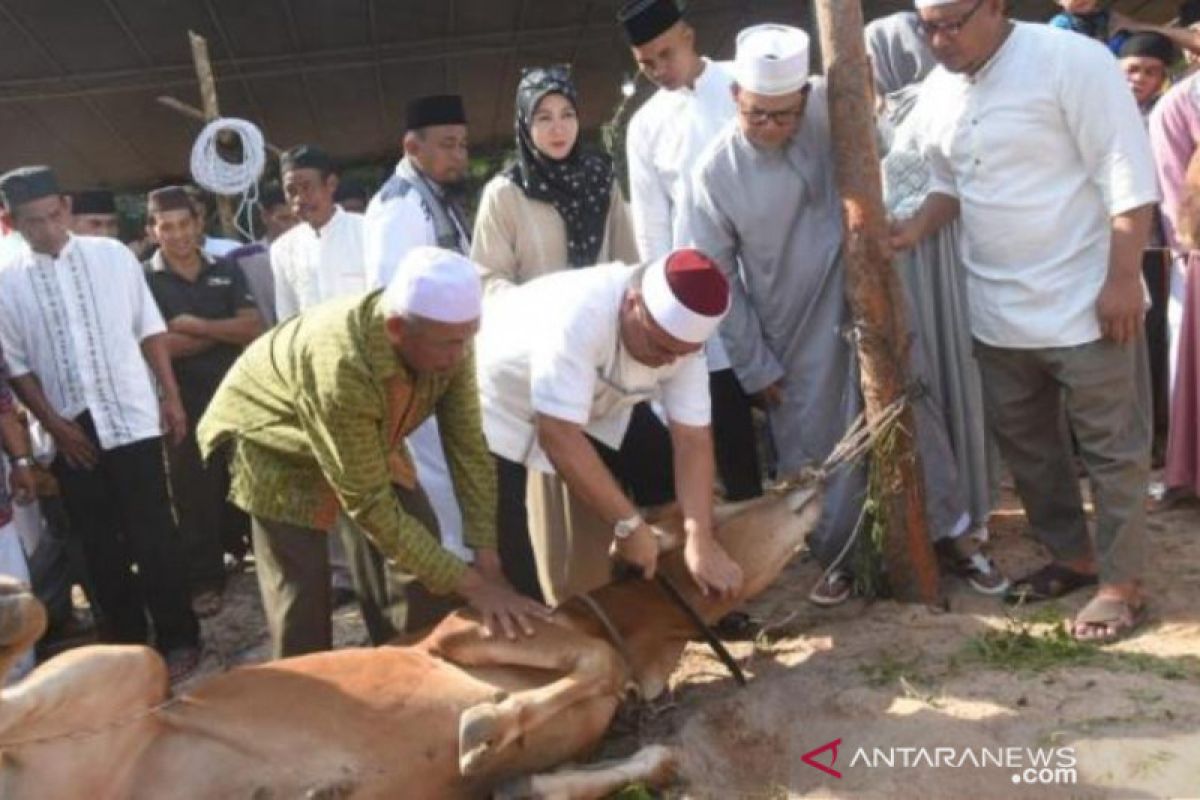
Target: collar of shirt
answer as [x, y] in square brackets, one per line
[433, 185]
[329, 225]
[72, 243]
[997, 57]
[380, 357]
[159, 264]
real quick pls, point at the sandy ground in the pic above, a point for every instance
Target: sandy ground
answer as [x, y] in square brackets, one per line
[882, 677]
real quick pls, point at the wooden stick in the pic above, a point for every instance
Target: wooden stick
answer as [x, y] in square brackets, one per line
[876, 298]
[194, 113]
[211, 111]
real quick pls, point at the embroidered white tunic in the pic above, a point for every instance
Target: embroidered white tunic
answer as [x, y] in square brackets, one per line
[77, 322]
[312, 266]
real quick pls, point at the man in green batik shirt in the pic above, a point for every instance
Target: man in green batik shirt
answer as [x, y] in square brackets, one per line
[315, 414]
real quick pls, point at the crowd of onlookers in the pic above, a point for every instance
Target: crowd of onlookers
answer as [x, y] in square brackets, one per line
[115, 351]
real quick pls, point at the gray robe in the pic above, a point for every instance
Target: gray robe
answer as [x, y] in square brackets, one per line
[772, 220]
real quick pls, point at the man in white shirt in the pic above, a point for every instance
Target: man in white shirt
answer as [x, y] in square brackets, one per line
[421, 204]
[79, 328]
[562, 362]
[1035, 142]
[664, 139]
[321, 258]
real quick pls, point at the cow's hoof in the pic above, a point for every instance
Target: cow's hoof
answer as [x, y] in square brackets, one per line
[479, 730]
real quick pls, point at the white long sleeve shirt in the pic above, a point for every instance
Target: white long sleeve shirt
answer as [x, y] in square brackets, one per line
[395, 225]
[312, 266]
[77, 322]
[1042, 147]
[664, 141]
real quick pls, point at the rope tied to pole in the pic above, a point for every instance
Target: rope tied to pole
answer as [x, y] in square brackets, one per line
[215, 173]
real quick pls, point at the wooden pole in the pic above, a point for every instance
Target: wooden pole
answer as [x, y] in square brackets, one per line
[212, 110]
[876, 298]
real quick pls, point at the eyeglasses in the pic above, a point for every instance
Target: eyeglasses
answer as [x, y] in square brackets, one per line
[758, 117]
[952, 28]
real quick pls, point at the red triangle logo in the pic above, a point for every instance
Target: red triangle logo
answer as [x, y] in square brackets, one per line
[810, 758]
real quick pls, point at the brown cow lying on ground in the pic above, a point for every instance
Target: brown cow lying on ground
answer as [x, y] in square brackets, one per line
[456, 715]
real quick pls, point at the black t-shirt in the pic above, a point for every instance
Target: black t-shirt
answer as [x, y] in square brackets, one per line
[220, 291]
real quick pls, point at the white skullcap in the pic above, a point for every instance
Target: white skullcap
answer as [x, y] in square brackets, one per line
[686, 294]
[771, 59]
[436, 284]
[933, 3]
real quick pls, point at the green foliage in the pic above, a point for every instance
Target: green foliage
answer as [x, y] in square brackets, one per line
[1019, 646]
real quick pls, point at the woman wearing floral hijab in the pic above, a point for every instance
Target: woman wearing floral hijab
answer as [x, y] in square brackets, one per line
[557, 205]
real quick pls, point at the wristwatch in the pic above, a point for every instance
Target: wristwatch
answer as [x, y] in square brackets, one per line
[625, 527]
[22, 461]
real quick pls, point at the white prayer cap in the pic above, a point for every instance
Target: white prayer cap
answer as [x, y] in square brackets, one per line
[436, 284]
[771, 59]
[686, 294]
[933, 3]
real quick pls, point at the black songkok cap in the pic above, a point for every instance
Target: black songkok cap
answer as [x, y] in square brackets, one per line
[94, 201]
[1150, 45]
[437, 109]
[169, 198]
[647, 19]
[26, 184]
[306, 156]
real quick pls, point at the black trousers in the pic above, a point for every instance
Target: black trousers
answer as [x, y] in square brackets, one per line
[56, 564]
[512, 529]
[1156, 269]
[733, 438]
[643, 465]
[120, 511]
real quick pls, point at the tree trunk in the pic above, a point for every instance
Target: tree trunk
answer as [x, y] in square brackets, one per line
[876, 298]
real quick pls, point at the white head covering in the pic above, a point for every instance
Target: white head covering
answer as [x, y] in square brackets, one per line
[932, 3]
[771, 59]
[686, 294]
[436, 284]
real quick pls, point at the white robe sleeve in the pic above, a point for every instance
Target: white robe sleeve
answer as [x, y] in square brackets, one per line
[12, 338]
[741, 331]
[287, 301]
[147, 319]
[391, 228]
[649, 199]
[1108, 129]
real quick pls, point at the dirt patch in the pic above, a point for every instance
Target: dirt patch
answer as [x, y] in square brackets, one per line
[894, 680]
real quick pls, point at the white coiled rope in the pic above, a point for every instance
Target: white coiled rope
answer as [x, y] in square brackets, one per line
[232, 178]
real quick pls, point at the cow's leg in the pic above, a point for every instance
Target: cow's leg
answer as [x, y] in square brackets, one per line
[653, 765]
[589, 667]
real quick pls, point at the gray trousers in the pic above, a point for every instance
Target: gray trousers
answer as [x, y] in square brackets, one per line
[1101, 391]
[292, 563]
